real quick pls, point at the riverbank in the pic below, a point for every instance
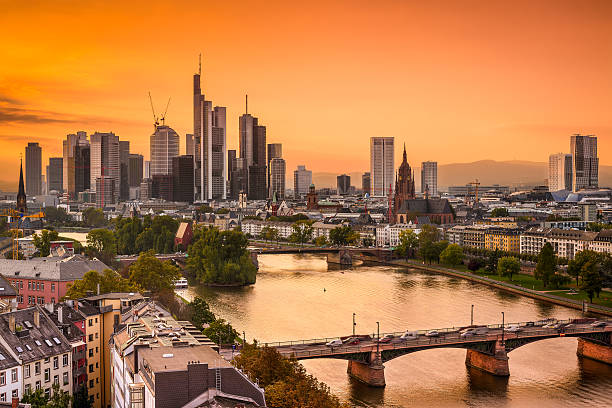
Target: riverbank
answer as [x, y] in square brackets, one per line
[508, 287]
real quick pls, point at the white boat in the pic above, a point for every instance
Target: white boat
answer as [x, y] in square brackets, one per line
[181, 283]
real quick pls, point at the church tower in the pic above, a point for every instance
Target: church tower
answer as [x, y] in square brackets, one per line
[404, 184]
[22, 206]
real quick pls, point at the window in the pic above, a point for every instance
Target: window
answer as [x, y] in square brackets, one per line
[47, 360]
[65, 360]
[37, 285]
[28, 388]
[91, 337]
[91, 368]
[3, 397]
[52, 300]
[38, 385]
[15, 394]
[14, 375]
[56, 379]
[3, 378]
[96, 349]
[53, 287]
[90, 352]
[90, 383]
[96, 320]
[26, 371]
[96, 335]
[48, 392]
[96, 365]
[29, 285]
[65, 378]
[42, 285]
[90, 322]
[37, 368]
[47, 374]
[55, 362]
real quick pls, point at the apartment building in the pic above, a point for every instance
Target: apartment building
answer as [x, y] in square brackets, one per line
[503, 239]
[566, 243]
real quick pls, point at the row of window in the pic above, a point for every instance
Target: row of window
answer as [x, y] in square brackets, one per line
[26, 368]
[33, 285]
[14, 377]
[14, 394]
[32, 300]
[37, 386]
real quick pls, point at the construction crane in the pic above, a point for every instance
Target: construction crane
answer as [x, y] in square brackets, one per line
[476, 184]
[163, 117]
[17, 219]
[155, 119]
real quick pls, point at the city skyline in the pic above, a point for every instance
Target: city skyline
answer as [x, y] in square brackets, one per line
[414, 94]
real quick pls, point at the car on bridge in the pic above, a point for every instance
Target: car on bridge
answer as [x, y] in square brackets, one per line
[432, 333]
[513, 329]
[409, 335]
[387, 338]
[599, 323]
[334, 343]
[352, 340]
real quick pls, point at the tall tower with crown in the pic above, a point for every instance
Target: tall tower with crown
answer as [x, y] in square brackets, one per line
[22, 206]
[404, 184]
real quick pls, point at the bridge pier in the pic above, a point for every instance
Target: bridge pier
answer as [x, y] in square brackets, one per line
[372, 374]
[594, 351]
[496, 364]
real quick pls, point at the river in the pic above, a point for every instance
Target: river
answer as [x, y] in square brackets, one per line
[297, 297]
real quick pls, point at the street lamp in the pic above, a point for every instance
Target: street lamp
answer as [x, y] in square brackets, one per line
[378, 338]
[472, 317]
[354, 324]
[503, 317]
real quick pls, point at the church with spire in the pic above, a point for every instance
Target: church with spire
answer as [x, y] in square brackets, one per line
[22, 205]
[404, 184]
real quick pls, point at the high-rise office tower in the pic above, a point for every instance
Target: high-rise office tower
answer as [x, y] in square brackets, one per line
[429, 178]
[585, 163]
[81, 168]
[343, 184]
[365, 183]
[55, 178]
[136, 166]
[382, 165]
[147, 169]
[275, 150]
[105, 191]
[239, 177]
[560, 172]
[209, 145]
[302, 179]
[182, 173]
[252, 144]
[104, 161]
[68, 161]
[162, 186]
[189, 145]
[124, 175]
[33, 160]
[164, 145]
[277, 178]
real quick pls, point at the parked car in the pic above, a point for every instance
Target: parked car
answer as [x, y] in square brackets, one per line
[466, 334]
[387, 338]
[409, 336]
[513, 329]
[599, 323]
[334, 343]
[432, 333]
[352, 340]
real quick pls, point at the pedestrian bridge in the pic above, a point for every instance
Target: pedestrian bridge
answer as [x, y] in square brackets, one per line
[487, 351]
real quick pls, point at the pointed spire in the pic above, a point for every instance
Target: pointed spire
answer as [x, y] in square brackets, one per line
[21, 195]
[405, 160]
[246, 104]
[200, 64]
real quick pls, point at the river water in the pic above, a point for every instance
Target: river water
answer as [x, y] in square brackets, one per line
[297, 297]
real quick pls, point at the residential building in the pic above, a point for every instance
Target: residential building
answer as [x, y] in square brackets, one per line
[365, 183]
[104, 161]
[302, 179]
[388, 235]
[164, 145]
[382, 165]
[33, 161]
[55, 176]
[474, 236]
[277, 168]
[46, 280]
[182, 173]
[560, 172]
[11, 376]
[585, 163]
[343, 182]
[503, 239]
[565, 243]
[429, 178]
[68, 163]
[588, 212]
[136, 167]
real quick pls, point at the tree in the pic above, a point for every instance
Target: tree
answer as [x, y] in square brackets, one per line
[576, 265]
[591, 279]
[101, 244]
[302, 232]
[320, 240]
[343, 235]
[452, 255]
[547, 265]
[221, 258]
[508, 266]
[499, 212]
[475, 264]
[109, 281]
[153, 274]
[58, 399]
[81, 398]
[408, 243]
[200, 312]
[126, 232]
[492, 260]
[221, 332]
[94, 217]
[158, 234]
[428, 236]
[267, 233]
[42, 242]
[57, 216]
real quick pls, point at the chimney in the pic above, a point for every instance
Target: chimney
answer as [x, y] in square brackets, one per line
[15, 402]
[36, 317]
[12, 323]
[60, 314]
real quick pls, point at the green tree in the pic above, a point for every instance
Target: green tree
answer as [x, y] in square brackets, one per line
[575, 266]
[58, 399]
[221, 332]
[153, 274]
[57, 216]
[591, 279]
[343, 235]
[452, 255]
[547, 264]
[508, 266]
[302, 232]
[499, 212]
[127, 231]
[81, 398]
[320, 240]
[221, 258]
[492, 260]
[267, 233]
[408, 243]
[200, 312]
[42, 242]
[158, 234]
[94, 217]
[428, 237]
[109, 281]
[101, 244]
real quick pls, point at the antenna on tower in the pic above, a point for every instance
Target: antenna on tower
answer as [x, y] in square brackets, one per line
[200, 64]
[246, 103]
[155, 121]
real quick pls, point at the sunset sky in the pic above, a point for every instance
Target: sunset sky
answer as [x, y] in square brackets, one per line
[457, 81]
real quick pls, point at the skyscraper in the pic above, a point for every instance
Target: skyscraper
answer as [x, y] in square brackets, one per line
[302, 179]
[124, 177]
[105, 191]
[182, 173]
[164, 145]
[136, 167]
[147, 169]
[275, 150]
[80, 168]
[560, 172]
[55, 177]
[104, 161]
[33, 156]
[252, 144]
[365, 183]
[585, 163]
[382, 165]
[216, 166]
[429, 178]
[277, 178]
[71, 141]
[343, 184]
[189, 145]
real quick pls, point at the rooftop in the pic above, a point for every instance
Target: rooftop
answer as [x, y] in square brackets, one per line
[168, 358]
[64, 269]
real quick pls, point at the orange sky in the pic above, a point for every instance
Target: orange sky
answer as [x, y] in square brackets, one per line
[457, 81]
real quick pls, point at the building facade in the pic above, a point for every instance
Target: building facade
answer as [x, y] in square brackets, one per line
[343, 184]
[277, 178]
[104, 161]
[365, 183]
[560, 172]
[33, 161]
[68, 174]
[164, 145]
[429, 178]
[182, 173]
[302, 179]
[106, 191]
[55, 177]
[585, 163]
[382, 165]
[136, 167]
